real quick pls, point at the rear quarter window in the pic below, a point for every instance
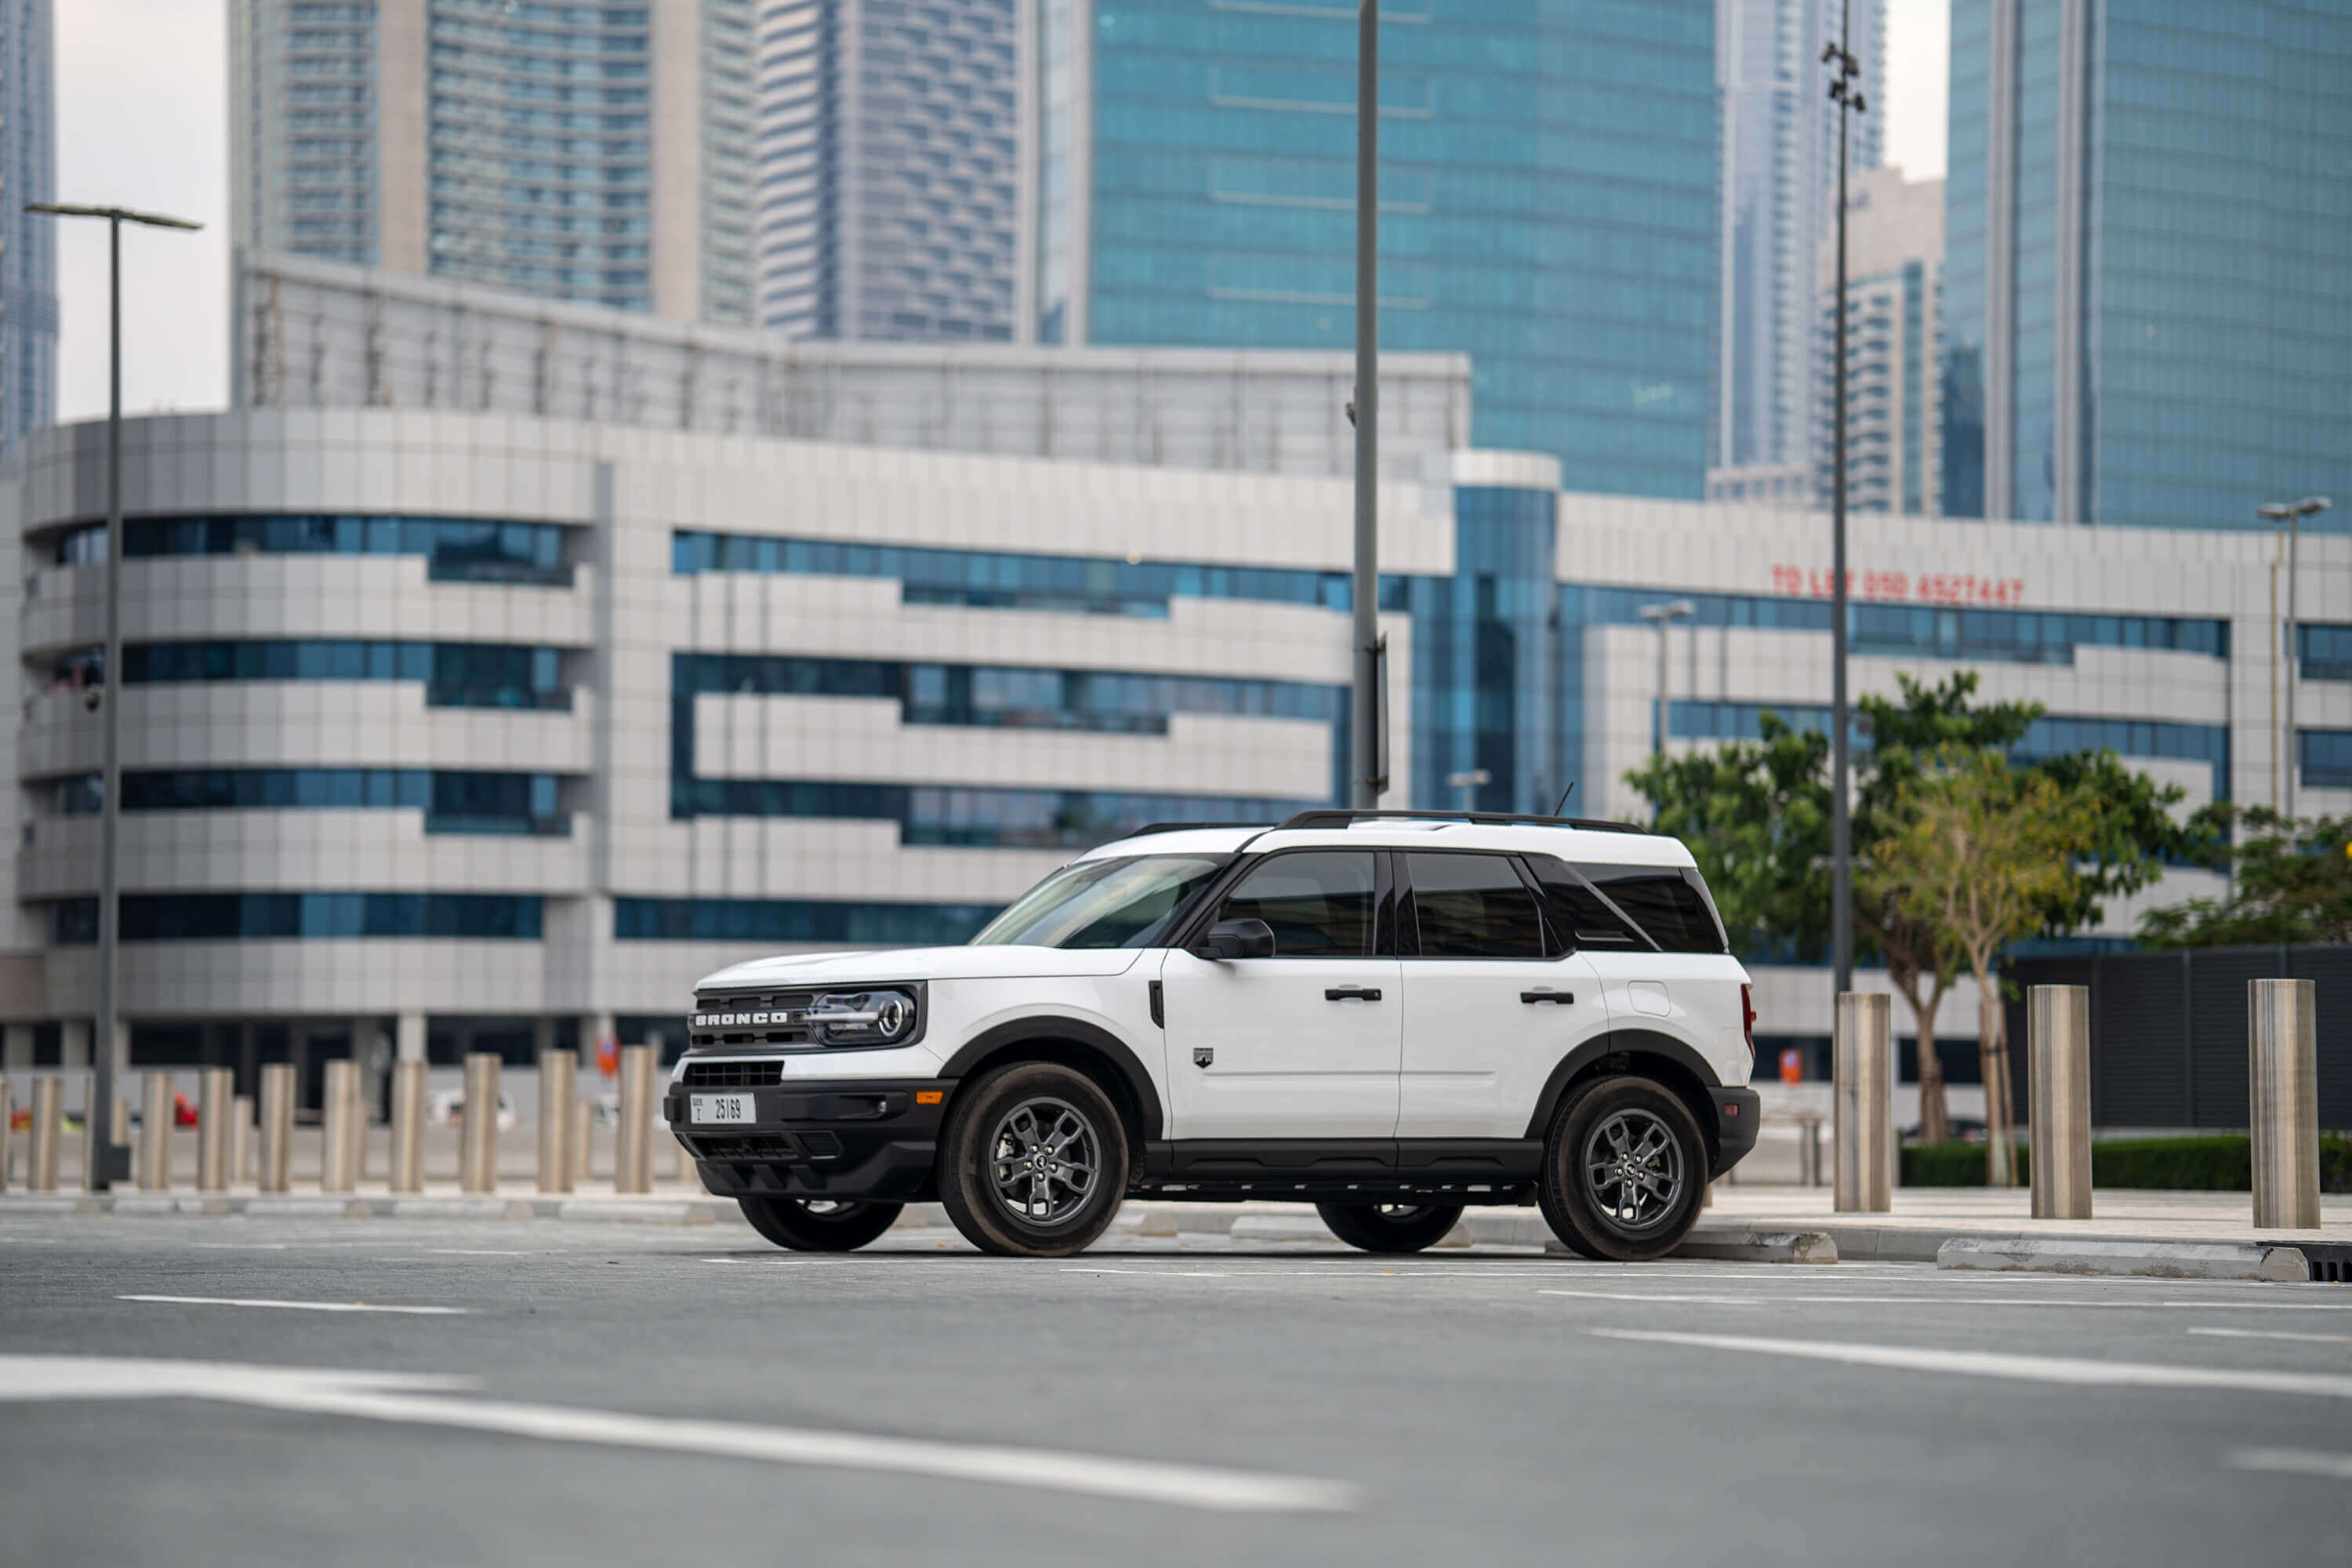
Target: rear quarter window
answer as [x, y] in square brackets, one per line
[1670, 903]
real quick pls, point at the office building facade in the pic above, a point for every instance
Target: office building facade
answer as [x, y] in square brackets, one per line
[891, 170]
[2147, 284]
[1894, 266]
[28, 250]
[1779, 160]
[598, 153]
[1548, 203]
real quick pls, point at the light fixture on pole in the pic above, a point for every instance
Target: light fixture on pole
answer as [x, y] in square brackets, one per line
[1468, 783]
[1368, 716]
[1845, 93]
[2292, 514]
[109, 1161]
[1662, 616]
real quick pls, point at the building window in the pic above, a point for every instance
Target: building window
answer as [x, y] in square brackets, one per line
[791, 920]
[236, 917]
[2324, 652]
[452, 801]
[456, 549]
[456, 675]
[2327, 758]
[980, 818]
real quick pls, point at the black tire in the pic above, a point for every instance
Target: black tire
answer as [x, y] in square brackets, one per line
[1623, 1171]
[1390, 1227]
[827, 1227]
[1002, 1140]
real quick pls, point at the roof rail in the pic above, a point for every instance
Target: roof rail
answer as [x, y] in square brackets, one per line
[1332, 816]
[1150, 828]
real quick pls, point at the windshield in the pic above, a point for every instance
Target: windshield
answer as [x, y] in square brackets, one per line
[1102, 903]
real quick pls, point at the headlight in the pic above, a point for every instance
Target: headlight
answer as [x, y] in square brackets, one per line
[861, 1017]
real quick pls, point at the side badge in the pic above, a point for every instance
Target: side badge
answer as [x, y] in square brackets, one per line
[1203, 1055]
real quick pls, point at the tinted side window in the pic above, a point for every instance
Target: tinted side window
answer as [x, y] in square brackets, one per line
[1472, 906]
[1318, 903]
[1666, 901]
[1576, 915]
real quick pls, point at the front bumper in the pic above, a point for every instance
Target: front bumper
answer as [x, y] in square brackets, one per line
[1736, 1113]
[847, 1139]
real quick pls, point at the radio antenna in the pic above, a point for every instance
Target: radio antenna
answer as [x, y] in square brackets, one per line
[1561, 809]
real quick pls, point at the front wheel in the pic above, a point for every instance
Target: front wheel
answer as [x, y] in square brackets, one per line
[1623, 1171]
[1390, 1227]
[818, 1224]
[1033, 1162]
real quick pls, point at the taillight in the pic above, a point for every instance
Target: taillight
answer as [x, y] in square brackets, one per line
[1748, 1018]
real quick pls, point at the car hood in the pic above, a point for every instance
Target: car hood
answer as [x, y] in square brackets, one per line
[881, 964]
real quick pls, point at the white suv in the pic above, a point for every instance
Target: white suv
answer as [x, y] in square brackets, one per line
[1389, 1014]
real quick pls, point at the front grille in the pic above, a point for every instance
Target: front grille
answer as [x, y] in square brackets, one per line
[733, 1074]
[747, 1146]
[742, 1005]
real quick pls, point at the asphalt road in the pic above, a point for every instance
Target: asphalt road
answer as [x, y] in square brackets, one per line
[631, 1394]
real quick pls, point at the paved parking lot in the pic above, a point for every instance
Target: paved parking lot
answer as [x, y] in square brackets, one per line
[542, 1392]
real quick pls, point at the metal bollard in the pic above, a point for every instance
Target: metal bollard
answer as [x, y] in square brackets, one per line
[407, 1126]
[215, 1089]
[478, 1146]
[2058, 1064]
[41, 1156]
[1809, 1151]
[155, 1133]
[337, 1105]
[2283, 1098]
[633, 1155]
[276, 1128]
[558, 1080]
[240, 1141]
[583, 1132]
[8, 1132]
[1863, 1060]
[363, 1115]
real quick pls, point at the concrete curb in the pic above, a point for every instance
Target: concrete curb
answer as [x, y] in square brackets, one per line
[2161, 1259]
[1760, 1246]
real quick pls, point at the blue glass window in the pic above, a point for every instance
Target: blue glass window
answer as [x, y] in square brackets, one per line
[456, 675]
[2326, 757]
[785, 921]
[2323, 652]
[457, 548]
[219, 917]
[452, 801]
[930, 813]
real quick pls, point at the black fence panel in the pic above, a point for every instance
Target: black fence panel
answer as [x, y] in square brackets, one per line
[2168, 1031]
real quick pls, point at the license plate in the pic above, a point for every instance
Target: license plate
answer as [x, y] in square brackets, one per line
[722, 1108]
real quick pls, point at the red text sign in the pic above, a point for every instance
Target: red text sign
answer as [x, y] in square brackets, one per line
[1958, 588]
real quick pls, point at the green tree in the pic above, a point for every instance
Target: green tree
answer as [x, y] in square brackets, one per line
[2289, 883]
[1982, 852]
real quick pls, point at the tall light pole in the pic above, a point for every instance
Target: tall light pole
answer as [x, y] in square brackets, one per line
[1844, 74]
[2292, 514]
[1663, 616]
[1367, 716]
[109, 1161]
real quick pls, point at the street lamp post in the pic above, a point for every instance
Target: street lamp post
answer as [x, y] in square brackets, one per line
[1844, 74]
[109, 1161]
[1663, 616]
[2292, 514]
[1468, 783]
[1365, 783]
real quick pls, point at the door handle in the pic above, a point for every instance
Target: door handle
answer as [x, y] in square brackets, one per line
[1352, 993]
[1565, 998]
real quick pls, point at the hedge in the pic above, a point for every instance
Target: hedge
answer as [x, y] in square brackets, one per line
[2209, 1164]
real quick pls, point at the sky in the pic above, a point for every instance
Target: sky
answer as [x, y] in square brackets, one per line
[142, 88]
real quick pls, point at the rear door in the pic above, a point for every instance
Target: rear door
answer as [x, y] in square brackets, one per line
[1302, 1045]
[1490, 1005]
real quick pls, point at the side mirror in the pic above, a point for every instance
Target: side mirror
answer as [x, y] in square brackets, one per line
[1237, 939]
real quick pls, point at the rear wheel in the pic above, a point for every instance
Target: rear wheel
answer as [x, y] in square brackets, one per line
[818, 1224]
[1034, 1162]
[1390, 1227]
[1623, 1171]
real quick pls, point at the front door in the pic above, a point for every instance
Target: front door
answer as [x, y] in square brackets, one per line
[1300, 1044]
[1490, 1007]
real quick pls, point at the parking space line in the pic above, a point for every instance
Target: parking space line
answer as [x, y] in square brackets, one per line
[2073, 1370]
[1778, 1298]
[303, 1306]
[2274, 1334]
[2292, 1462]
[417, 1401]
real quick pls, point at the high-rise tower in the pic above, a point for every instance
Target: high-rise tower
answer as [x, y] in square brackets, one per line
[29, 248]
[584, 150]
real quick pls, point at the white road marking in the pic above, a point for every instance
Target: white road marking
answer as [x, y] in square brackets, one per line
[2069, 1370]
[240, 1245]
[2294, 1462]
[2274, 1334]
[426, 1401]
[1956, 1300]
[302, 1306]
[479, 1252]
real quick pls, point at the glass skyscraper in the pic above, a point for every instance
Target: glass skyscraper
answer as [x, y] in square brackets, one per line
[1548, 202]
[2148, 295]
[591, 151]
[29, 246]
